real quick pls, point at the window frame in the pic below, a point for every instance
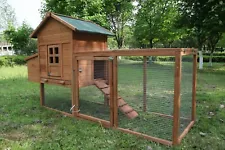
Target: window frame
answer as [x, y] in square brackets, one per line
[54, 55]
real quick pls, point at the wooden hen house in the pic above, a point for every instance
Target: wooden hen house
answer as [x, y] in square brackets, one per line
[59, 37]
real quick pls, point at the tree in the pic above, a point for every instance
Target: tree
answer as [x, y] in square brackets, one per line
[7, 15]
[19, 38]
[111, 14]
[84, 9]
[153, 21]
[215, 26]
[198, 16]
[119, 14]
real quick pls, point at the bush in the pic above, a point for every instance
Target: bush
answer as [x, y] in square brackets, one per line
[214, 54]
[12, 60]
[1, 63]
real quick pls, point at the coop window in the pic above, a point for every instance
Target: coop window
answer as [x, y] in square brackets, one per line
[53, 54]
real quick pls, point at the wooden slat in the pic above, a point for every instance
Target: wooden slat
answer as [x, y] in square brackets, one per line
[158, 140]
[100, 84]
[92, 58]
[132, 52]
[62, 112]
[194, 84]
[31, 57]
[176, 105]
[186, 130]
[101, 121]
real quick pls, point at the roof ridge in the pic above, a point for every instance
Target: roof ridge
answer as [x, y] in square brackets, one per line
[81, 20]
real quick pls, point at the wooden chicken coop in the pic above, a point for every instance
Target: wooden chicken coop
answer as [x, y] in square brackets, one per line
[152, 100]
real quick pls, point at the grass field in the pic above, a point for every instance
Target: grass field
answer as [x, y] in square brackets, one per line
[26, 125]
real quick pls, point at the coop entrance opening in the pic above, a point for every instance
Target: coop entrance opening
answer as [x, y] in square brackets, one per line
[100, 69]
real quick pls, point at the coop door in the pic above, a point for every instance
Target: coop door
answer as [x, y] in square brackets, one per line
[54, 61]
[94, 99]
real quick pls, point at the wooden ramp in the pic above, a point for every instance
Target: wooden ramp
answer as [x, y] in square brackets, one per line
[123, 106]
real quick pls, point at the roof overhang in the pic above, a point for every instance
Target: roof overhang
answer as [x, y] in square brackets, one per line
[47, 16]
[52, 15]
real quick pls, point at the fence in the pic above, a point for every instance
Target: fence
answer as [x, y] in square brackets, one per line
[134, 92]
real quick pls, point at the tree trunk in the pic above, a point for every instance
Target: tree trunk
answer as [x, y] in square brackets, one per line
[200, 60]
[151, 43]
[210, 59]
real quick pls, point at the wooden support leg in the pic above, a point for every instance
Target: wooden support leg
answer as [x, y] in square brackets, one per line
[42, 94]
[194, 83]
[176, 105]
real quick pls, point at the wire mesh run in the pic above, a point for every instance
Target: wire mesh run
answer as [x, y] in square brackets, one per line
[94, 88]
[146, 86]
[186, 92]
[58, 97]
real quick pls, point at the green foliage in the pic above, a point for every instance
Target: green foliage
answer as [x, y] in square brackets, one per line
[155, 21]
[119, 14]
[220, 58]
[112, 14]
[204, 17]
[19, 38]
[10, 61]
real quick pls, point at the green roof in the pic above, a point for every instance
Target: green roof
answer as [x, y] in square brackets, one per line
[85, 26]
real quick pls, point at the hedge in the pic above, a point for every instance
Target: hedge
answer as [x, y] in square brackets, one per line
[12, 60]
[170, 58]
[214, 54]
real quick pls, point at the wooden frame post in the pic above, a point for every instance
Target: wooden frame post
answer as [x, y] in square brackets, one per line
[110, 82]
[194, 83]
[176, 105]
[144, 83]
[75, 88]
[42, 94]
[115, 91]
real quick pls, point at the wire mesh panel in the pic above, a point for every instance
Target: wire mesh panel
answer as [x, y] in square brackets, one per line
[146, 94]
[58, 97]
[94, 91]
[186, 91]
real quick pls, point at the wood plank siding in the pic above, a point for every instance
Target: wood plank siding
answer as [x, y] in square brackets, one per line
[82, 42]
[55, 33]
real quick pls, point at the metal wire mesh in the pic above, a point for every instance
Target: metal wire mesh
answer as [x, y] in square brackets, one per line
[58, 97]
[156, 120]
[186, 92]
[93, 98]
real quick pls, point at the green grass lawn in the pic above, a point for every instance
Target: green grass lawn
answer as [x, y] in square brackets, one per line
[26, 125]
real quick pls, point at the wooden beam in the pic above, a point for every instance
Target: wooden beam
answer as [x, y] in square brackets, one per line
[31, 57]
[115, 91]
[62, 112]
[42, 94]
[90, 118]
[110, 82]
[176, 105]
[186, 130]
[188, 51]
[159, 140]
[92, 58]
[76, 87]
[168, 116]
[194, 84]
[133, 52]
[144, 83]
